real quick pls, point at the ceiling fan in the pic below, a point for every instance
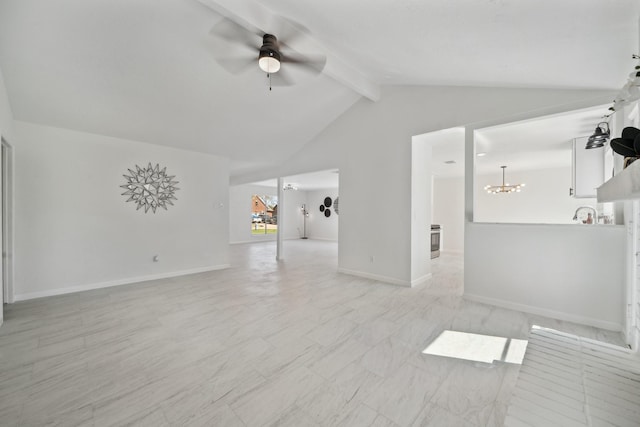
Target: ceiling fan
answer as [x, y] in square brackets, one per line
[238, 49]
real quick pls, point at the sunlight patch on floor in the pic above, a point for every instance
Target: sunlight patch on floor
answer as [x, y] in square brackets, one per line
[479, 348]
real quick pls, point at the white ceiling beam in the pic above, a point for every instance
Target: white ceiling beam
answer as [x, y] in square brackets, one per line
[256, 18]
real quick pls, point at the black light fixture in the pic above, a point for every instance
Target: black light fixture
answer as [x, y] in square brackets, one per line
[269, 58]
[600, 136]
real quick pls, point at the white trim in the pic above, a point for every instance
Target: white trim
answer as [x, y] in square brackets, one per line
[389, 280]
[421, 280]
[132, 280]
[323, 239]
[242, 242]
[559, 315]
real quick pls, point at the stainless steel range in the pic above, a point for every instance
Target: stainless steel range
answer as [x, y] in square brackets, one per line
[435, 240]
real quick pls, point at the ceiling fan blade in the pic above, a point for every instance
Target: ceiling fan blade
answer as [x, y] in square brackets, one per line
[233, 47]
[288, 31]
[311, 63]
[231, 32]
[237, 65]
[236, 48]
[282, 78]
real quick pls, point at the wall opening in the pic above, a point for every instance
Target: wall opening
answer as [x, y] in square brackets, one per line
[264, 214]
[446, 172]
[545, 154]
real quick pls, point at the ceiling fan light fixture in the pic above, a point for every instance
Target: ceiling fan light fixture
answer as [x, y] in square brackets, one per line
[269, 63]
[269, 58]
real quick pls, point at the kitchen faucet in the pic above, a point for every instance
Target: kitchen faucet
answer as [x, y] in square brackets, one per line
[595, 213]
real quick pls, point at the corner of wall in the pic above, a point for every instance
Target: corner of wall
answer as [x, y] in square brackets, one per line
[6, 114]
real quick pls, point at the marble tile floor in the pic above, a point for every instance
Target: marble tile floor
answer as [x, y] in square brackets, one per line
[260, 344]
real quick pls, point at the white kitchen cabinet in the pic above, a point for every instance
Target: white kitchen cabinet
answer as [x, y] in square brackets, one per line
[587, 169]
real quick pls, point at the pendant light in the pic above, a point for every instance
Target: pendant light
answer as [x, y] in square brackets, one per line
[600, 136]
[505, 187]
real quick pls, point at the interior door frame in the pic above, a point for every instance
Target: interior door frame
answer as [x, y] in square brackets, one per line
[6, 178]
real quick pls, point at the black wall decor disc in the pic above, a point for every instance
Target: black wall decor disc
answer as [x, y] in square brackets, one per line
[327, 213]
[321, 208]
[327, 202]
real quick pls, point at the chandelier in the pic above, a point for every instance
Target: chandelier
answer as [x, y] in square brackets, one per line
[504, 188]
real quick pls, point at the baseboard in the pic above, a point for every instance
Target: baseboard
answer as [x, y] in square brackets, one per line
[260, 240]
[389, 280]
[129, 281]
[256, 240]
[421, 280]
[559, 315]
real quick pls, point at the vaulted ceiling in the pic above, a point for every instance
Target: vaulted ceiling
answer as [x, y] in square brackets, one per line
[146, 70]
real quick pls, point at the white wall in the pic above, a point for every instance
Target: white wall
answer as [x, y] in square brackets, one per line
[6, 116]
[567, 272]
[74, 231]
[545, 198]
[293, 227]
[371, 143]
[448, 211]
[318, 225]
[421, 197]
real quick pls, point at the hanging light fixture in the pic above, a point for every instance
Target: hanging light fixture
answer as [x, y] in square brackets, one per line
[600, 136]
[505, 187]
[269, 58]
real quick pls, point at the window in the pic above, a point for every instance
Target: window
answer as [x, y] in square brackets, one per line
[264, 214]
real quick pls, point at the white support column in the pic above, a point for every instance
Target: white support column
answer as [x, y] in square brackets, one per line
[469, 173]
[280, 219]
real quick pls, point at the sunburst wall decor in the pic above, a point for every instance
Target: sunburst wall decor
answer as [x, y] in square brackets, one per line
[150, 188]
